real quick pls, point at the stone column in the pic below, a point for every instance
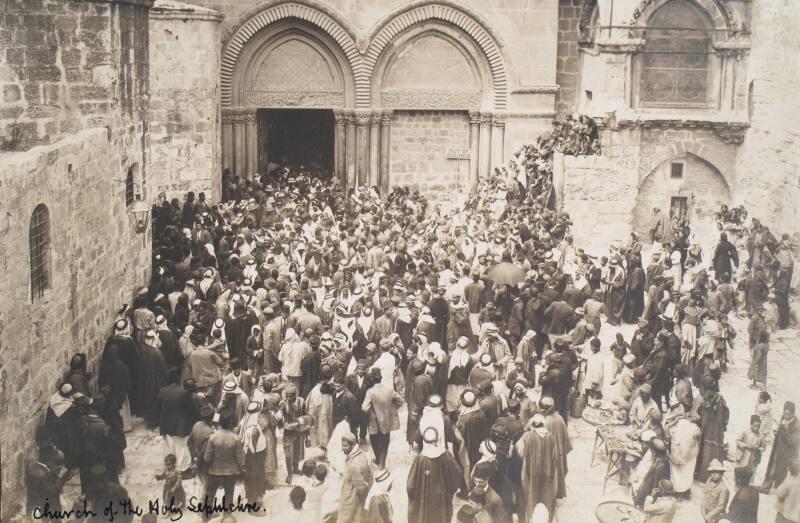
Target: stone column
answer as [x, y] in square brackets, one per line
[239, 146]
[498, 138]
[474, 148]
[227, 139]
[350, 150]
[362, 148]
[374, 148]
[485, 158]
[251, 145]
[386, 120]
[340, 166]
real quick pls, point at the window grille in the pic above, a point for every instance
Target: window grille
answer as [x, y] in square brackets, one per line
[39, 243]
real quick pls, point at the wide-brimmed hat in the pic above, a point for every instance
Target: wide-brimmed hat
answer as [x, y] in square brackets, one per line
[715, 466]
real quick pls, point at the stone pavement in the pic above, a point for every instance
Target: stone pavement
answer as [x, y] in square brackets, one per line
[584, 483]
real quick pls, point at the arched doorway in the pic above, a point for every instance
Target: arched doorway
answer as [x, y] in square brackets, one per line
[284, 75]
[686, 186]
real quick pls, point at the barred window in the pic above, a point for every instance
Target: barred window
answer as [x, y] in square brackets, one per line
[129, 187]
[39, 244]
[676, 60]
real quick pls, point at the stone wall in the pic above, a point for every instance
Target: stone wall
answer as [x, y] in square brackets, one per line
[69, 65]
[567, 67]
[74, 83]
[599, 193]
[417, 157]
[184, 100]
[96, 261]
[769, 159]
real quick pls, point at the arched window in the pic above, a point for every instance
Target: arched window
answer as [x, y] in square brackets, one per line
[676, 60]
[129, 187]
[39, 244]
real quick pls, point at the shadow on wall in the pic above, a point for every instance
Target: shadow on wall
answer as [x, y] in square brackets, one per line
[688, 186]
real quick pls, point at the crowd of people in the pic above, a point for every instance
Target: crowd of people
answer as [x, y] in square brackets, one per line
[301, 316]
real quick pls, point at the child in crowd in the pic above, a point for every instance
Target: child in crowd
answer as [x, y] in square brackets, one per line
[173, 493]
[764, 411]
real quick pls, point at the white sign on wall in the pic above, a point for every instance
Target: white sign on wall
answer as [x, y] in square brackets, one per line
[456, 153]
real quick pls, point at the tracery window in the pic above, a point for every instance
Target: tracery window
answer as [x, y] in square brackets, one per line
[676, 59]
[39, 245]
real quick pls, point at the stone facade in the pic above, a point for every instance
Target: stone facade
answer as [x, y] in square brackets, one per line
[368, 59]
[567, 68]
[185, 126]
[768, 161]
[419, 140]
[75, 88]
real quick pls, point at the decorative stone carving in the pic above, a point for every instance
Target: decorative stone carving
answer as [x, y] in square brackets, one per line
[295, 64]
[474, 118]
[486, 119]
[363, 120]
[326, 99]
[431, 99]
[375, 120]
[710, 6]
[731, 132]
[386, 119]
[537, 89]
[498, 121]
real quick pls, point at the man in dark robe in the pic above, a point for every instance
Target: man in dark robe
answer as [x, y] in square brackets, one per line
[44, 478]
[433, 479]
[153, 376]
[615, 296]
[472, 425]
[785, 449]
[237, 329]
[169, 343]
[129, 354]
[61, 424]
[725, 258]
[539, 477]
[422, 387]
[440, 311]
[634, 292]
[310, 367]
[714, 416]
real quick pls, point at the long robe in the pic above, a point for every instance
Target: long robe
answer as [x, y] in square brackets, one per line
[474, 429]
[237, 330]
[615, 297]
[634, 296]
[130, 356]
[555, 425]
[539, 470]
[713, 422]
[320, 407]
[785, 448]
[431, 485]
[153, 376]
[684, 448]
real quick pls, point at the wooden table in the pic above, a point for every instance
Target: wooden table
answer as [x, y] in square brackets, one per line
[613, 441]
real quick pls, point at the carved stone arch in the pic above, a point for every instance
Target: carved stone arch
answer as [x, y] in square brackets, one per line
[418, 12]
[459, 79]
[719, 15]
[718, 159]
[253, 21]
[701, 185]
[292, 64]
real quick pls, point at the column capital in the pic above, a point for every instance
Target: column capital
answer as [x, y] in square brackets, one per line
[375, 119]
[474, 118]
[362, 118]
[498, 121]
[386, 118]
[486, 118]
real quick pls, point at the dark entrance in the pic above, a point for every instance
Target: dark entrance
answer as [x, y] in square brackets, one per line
[296, 138]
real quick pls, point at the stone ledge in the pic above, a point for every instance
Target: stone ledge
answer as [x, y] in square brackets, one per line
[144, 3]
[171, 9]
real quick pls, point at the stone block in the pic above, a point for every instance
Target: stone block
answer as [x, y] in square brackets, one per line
[11, 93]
